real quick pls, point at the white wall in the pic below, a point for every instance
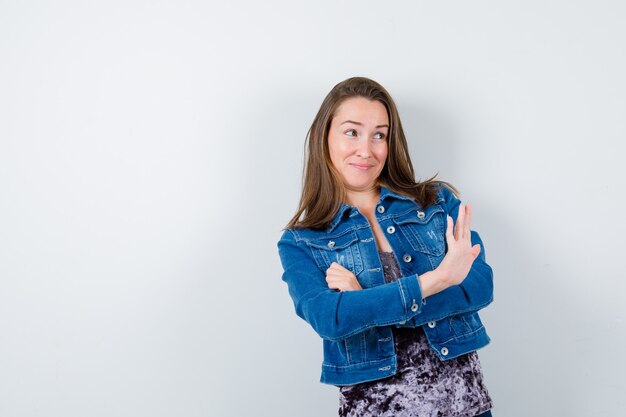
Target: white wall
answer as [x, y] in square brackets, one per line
[150, 153]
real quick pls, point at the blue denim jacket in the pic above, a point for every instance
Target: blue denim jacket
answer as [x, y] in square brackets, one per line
[356, 326]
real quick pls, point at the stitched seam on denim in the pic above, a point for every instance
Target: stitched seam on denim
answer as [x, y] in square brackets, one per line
[416, 240]
[322, 235]
[460, 336]
[324, 258]
[403, 298]
[435, 260]
[360, 329]
[299, 239]
[363, 346]
[468, 310]
[313, 241]
[421, 221]
[348, 355]
[352, 380]
[328, 365]
[394, 215]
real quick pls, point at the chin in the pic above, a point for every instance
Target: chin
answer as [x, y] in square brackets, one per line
[358, 186]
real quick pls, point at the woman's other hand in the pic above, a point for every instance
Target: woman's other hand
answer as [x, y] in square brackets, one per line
[340, 278]
[461, 254]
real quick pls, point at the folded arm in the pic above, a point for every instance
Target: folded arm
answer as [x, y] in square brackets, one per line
[336, 315]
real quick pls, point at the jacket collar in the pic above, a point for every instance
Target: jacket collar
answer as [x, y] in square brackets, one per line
[385, 193]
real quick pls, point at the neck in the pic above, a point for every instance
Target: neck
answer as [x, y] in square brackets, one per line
[364, 198]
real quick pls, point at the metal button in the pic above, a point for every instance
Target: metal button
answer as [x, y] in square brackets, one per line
[421, 214]
[406, 257]
[402, 322]
[391, 230]
[380, 209]
[444, 351]
[431, 324]
[331, 244]
[414, 307]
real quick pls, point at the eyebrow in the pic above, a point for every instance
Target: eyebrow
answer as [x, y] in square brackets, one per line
[361, 124]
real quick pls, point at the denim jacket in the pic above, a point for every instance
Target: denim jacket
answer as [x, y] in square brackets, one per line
[356, 326]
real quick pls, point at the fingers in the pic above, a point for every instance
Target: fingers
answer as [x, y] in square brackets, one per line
[468, 220]
[341, 279]
[332, 281]
[339, 272]
[460, 220]
[342, 283]
[449, 230]
[463, 222]
[476, 250]
[338, 266]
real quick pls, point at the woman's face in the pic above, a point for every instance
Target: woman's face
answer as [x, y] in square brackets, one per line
[357, 142]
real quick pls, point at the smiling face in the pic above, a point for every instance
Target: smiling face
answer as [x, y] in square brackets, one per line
[357, 142]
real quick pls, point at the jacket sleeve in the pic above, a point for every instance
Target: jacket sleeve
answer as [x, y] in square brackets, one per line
[476, 290]
[336, 315]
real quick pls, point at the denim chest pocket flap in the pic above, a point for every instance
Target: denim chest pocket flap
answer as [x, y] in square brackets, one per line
[424, 229]
[343, 249]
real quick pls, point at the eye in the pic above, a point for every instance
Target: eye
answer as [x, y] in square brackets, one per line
[351, 132]
[379, 135]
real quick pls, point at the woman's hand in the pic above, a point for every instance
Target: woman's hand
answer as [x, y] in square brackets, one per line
[461, 254]
[340, 278]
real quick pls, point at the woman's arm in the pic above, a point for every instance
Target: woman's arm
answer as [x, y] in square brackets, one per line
[476, 289]
[474, 293]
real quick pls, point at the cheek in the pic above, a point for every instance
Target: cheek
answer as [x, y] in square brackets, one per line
[334, 150]
[381, 154]
[338, 150]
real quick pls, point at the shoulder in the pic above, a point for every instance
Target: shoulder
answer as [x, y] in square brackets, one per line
[288, 236]
[290, 247]
[444, 192]
[297, 236]
[447, 197]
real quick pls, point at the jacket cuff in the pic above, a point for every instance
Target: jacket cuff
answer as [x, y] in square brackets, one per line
[411, 293]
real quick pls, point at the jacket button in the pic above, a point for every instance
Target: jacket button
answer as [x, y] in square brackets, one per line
[414, 307]
[420, 214]
[391, 230]
[444, 351]
[402, 322]
[331, 244]
[432, 324]
[406, 257]
[380, 209]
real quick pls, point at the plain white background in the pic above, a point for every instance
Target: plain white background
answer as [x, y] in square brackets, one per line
[151, 152]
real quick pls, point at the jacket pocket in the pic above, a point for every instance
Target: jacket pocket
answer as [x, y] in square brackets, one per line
[343, 249]
[424, 230]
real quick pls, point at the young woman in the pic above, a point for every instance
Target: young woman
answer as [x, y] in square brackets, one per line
[386, 269]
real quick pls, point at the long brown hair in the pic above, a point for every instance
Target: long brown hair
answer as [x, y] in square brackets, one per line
[322, 188]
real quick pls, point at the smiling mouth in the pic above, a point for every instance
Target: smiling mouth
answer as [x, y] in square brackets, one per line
[362, 167]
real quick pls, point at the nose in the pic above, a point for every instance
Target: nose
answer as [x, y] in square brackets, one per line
[363, 149]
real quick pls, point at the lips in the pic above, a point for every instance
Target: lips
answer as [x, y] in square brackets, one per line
[362, 167]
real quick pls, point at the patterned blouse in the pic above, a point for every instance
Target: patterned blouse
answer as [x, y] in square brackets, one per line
[424, 385]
